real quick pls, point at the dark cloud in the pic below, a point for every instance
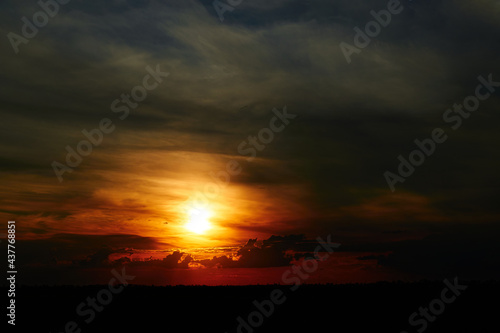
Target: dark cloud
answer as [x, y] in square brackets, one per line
[101, 258]
[274, 251]
[87, 250]
[470, 254]
[41, 228]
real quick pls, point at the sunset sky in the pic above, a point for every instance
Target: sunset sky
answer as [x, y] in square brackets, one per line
[321, 174]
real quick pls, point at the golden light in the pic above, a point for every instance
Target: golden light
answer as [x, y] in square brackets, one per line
[198, 220]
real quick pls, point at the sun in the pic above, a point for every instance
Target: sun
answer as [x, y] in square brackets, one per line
[198, 220]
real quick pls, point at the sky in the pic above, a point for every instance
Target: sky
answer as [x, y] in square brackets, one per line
[328, 131]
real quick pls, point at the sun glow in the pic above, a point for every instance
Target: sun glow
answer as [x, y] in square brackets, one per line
[198, 220]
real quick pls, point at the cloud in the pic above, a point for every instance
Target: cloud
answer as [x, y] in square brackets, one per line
[274, 251]
[80, 249]
[458, 251]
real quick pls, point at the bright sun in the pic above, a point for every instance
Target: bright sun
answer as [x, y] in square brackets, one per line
[198, 220]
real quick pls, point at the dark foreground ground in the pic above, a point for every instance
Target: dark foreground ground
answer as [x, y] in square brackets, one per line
[381, 307]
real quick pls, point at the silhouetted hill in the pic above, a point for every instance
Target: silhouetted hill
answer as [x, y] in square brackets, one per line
[380, 307]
